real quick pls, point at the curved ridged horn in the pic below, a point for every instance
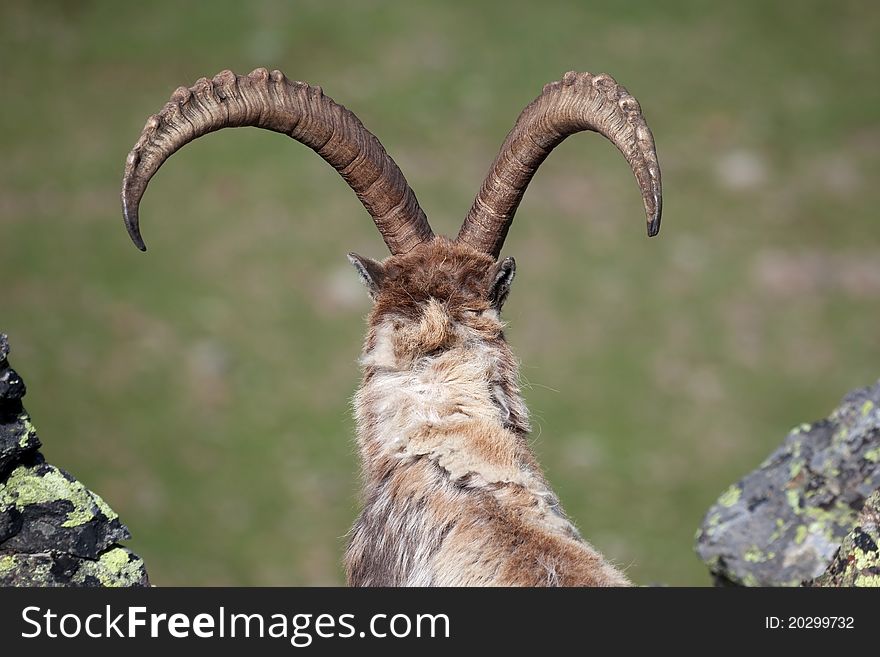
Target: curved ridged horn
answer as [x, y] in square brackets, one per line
[580, 101]
[303, 112]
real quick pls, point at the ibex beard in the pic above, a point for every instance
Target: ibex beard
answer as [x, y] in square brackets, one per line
[452, 493]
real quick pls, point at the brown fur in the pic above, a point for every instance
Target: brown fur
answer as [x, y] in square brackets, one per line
[453, 495]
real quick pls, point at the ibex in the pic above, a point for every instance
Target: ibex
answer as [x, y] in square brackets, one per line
[452, 493]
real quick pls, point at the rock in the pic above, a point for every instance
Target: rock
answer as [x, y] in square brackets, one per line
[53, 530]
[56, 512]
[781, 524]
[18, 438]
[115, 567]
[17, 435]
[857, 561]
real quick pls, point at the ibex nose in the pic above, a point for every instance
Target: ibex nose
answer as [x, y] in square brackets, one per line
[435, 330]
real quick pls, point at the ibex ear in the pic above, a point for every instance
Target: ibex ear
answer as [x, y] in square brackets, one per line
[371, 272]
[504, 273]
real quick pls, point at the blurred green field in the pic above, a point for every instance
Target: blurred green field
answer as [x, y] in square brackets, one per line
[203, 389]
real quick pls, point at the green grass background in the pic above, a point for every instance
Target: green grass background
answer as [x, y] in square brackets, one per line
[203, 389]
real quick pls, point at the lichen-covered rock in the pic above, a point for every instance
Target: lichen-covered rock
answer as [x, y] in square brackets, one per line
[18, 438]
[53, 530]
[781, 524]
[53, 511]
[857, 561]
[114, 567]
[17, 435]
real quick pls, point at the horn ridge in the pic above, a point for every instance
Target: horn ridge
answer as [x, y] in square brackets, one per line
[301, 111]
[578, 102]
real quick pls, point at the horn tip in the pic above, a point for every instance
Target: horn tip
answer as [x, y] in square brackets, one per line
[132, 226]
[654, 223]
[654, 215]
[136, 238]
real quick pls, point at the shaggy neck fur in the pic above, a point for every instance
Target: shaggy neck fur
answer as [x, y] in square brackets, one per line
[452, 492]
[402, 400]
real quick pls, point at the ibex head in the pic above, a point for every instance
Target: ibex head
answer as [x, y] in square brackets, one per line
[440, 382]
